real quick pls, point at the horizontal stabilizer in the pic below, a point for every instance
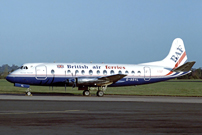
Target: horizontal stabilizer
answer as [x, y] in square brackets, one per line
[185, 67]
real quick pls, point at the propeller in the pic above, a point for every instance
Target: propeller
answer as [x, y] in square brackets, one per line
[66, 82]
[73, 80]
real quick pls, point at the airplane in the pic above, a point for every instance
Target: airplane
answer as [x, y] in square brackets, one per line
[99, 76]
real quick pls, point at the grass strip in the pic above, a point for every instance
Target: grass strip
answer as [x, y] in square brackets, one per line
[168, 88]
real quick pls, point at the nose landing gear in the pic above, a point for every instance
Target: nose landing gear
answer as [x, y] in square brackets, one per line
[28, 92]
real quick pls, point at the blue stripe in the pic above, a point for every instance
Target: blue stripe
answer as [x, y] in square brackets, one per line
[60, 81]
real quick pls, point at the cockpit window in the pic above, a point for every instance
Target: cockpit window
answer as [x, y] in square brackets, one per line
[23, 67]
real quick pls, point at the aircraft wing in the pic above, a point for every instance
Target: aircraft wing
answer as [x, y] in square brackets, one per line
[185, 67]
[106, 80]
[112, 78]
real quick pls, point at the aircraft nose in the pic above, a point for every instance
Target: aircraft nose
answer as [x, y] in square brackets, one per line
[10, 78]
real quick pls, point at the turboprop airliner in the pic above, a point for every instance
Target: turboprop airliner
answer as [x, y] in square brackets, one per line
[88, 76]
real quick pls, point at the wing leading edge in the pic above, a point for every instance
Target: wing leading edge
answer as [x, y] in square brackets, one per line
[113, 78]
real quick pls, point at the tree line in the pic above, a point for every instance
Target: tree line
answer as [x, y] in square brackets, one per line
[6, 69]
[195, 74]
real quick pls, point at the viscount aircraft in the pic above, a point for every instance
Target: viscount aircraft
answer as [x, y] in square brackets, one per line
[88, 76]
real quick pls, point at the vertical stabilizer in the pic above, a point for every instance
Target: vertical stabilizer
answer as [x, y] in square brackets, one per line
[176, 57]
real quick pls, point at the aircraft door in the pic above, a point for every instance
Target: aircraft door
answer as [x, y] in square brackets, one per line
[41, 72]
[147, 73]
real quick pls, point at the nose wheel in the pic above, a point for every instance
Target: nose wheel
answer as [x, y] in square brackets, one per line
[28, 92]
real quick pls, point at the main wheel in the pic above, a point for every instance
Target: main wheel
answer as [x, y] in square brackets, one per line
[86, 93]
[100, 93]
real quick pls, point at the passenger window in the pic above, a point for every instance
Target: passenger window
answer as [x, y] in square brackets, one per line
[133, 72]
[120, 72]
[68, 71]
[90, 72]
[98, 72]
[112, 72]
[139, 72]
[126, 72]
[82, 72]
[52, 71]
[76, 72]
[104, 72]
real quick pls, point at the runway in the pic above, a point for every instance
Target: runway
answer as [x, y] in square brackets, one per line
[99, 115]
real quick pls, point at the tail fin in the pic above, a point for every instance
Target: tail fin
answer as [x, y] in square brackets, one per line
[176, 57]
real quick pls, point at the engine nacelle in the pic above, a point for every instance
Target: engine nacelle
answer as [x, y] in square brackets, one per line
[21, 85]
[90, 82]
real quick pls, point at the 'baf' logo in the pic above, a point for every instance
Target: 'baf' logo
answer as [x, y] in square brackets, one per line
[177, 55]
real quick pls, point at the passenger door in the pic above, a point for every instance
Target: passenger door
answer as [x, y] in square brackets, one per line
[147, 73]
[41, 72]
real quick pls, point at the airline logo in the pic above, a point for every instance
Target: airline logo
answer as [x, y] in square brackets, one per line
[77, 66]
[115, 67]
[177, 54]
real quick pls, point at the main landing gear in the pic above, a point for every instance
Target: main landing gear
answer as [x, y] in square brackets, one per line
[86, 93]
[99, 93]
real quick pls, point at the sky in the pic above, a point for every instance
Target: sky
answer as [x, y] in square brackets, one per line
[109, 31]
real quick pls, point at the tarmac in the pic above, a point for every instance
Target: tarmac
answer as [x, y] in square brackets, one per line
[62, 115]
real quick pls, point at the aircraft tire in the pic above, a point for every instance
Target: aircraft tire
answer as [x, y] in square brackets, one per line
[86, 93]
[28, 93]
[100, 93]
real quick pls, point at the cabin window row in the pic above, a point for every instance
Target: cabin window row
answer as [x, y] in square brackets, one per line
[104, 72]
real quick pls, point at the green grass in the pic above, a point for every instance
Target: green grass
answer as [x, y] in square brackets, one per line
[169, 88]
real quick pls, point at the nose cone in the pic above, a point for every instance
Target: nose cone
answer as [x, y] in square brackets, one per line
[10, 78]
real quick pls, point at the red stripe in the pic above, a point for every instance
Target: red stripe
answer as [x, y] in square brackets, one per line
[180, 60]
[178, 63]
